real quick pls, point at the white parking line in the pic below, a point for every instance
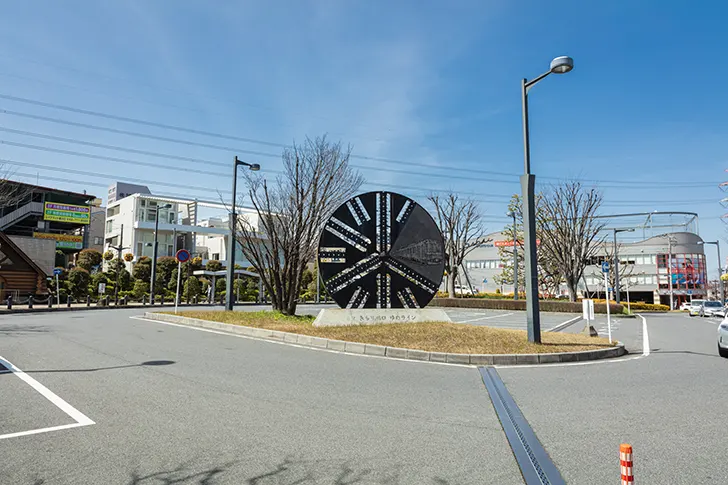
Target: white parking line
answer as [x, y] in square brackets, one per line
[80, 418]
[563, 325]
[486, 318]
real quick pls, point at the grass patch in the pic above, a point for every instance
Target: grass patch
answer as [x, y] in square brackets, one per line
[433, 337]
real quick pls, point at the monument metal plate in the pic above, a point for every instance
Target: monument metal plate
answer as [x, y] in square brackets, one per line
[381, 250]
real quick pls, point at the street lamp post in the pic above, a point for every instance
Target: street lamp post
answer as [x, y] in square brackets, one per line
[229, 295]
[154, 252]
[720, 269]
[616, 263]
[515, 255]
[559, 65]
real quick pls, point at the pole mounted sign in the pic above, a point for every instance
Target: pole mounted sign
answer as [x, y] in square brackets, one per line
[182, 256]
[605, 267]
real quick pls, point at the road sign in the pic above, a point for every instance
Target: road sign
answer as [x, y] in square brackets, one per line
[605, 267]
[690, 292]
[57, 271]
[182, 256]
[588, 309]
[102, 288]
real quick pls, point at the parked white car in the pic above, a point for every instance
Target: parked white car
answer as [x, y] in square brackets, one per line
[464, 290]
[695, 307]
[723, 338]
[685, 305]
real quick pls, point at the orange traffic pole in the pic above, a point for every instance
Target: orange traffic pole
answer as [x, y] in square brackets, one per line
[625, 464]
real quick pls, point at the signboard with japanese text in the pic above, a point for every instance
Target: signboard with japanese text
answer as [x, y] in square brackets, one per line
[63, 241]
[77, 214]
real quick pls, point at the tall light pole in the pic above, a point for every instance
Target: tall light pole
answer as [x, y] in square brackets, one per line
[559, 65]
[616, 263]
[229, 295]
[720, 269]
[154, 251]
[515, 255]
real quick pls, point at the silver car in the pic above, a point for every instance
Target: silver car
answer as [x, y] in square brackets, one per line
[711, 309]
[723, 338]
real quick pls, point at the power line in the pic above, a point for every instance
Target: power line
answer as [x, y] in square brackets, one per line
[104, 175]
[279, 145]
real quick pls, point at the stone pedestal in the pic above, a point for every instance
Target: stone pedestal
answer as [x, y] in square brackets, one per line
[340, 317]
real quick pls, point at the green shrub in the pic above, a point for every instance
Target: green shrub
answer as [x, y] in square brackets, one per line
[78, 280]
[88, 259]
[213, 265]
[165, 266]
[192, 288]
[220, 285]
[141, 289]
[143, 269]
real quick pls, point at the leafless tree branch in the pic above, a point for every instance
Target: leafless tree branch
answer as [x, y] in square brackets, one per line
[291, 213]
[461, 224]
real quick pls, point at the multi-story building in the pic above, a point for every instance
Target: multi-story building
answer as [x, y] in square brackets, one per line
[48, 226]
[130, 223]
[652, 265]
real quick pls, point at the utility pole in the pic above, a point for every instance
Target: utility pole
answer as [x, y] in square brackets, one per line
[669, 270]
[515, 256]
[616, 263]
[119, 249]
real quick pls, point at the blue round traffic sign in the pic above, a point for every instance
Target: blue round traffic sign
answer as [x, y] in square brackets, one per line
[182, 256]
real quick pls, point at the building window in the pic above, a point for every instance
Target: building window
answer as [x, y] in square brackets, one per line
[98, 240]
[109, 226]
[216, 256]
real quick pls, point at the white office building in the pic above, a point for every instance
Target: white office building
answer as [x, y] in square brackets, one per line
[130, 222]
[659, 253]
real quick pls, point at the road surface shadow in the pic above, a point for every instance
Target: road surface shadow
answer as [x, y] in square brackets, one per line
[10, 330]
[149, 363]
[658, 351]
[287, 472]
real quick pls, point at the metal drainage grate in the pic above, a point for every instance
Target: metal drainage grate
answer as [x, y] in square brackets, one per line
[536, 466]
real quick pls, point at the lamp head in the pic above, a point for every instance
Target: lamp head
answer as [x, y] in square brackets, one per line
[254, 167]
[562, 65]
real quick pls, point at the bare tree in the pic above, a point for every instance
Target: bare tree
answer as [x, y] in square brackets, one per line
[291, 212]
[626, 269]
[10, 192]
[569, 231]
[549, 277]
[461, 224]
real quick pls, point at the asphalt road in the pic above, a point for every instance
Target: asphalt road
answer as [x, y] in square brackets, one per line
[178, 405]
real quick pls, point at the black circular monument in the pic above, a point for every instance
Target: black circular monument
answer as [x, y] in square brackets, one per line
[381, 250]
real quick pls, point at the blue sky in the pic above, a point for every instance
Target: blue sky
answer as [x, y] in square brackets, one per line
[432, 84]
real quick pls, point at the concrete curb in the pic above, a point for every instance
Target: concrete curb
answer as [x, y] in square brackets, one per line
[393, 352]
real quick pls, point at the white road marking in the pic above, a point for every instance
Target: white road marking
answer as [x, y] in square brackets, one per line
[485, 318]
[563, 325]
[80, 418]
[645, 337]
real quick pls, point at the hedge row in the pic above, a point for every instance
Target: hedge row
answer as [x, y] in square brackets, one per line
[545, 306]
[647, 307]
